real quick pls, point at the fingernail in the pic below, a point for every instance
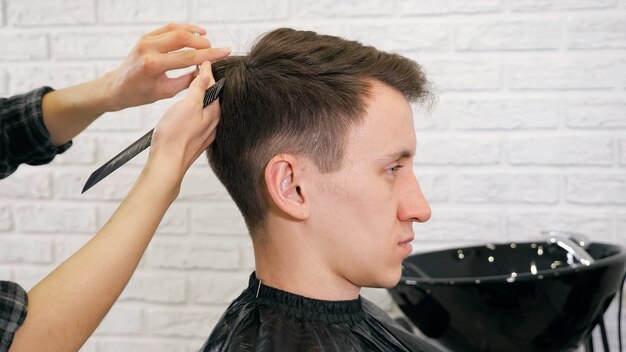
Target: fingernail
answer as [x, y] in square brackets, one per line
[224, 50]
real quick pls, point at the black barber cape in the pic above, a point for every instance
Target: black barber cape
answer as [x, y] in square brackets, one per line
[264, 319]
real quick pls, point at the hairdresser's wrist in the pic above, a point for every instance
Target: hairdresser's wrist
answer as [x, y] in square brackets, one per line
[109, 83]
[166, 173]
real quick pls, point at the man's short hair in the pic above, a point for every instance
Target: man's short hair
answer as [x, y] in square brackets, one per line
[296, 92]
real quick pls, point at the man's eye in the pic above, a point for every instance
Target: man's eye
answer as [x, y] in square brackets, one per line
[394, 169]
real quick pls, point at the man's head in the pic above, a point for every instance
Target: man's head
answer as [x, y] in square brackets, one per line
[297, 93]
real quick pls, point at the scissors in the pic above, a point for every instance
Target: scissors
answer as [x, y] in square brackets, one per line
[142, 143]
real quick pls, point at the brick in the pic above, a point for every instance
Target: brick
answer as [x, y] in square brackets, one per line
[457, 151]
[587, 114]
[502, 114]
[445, 7]
[151, 114]
[142, 11]
[217, 288]
[404, 37]
[111, 144]
[20, 250]
[121, 320]
[380, 297]
[89, 346]
[28, 277]
[51, 218]
[561, 150]
[96, 45]
[69, 184]
[182, 322]
[241, 11]
[542, 5]
[51, 12]
[458, 225]
[247, 256]
[157, 288]
[549, 74]
[508, 35]
[430, 118]
[221, 218]
[124, 120]
[6, 220]
[26, 184]
[4, 91]
[175, 221]
[136, 344]
[462, 75]
[353, 8]
[501, 187]
[596, 33]
[622, 152]
[596, 188]
[621, 227]
[6, 274]
[23, 79]
[196, 254]
[83, 152]
[524, 225]
[23, 46]
[202, 184]
[66, 246]
[435, 186]
[622, 74]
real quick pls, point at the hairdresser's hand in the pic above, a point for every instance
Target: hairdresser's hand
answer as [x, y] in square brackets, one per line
[141, 78]
[185, 130]
[66, 307]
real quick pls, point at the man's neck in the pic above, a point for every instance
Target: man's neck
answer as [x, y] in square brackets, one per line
[286, 262]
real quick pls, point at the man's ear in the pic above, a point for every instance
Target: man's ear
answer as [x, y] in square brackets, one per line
[283, 181]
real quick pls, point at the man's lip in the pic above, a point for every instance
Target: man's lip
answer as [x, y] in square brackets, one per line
[407, 240]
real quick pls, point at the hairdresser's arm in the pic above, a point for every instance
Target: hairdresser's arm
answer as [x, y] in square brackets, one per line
[66, 307]
[139, 80]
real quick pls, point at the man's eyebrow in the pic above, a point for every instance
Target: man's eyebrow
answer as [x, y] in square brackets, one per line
[402, 154]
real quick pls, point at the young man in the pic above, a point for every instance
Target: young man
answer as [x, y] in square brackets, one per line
[315, 145]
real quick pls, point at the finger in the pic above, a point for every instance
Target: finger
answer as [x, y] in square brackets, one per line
[201, 83]
[182, 59]
[176, 40]
[175, 26]
[175, 85]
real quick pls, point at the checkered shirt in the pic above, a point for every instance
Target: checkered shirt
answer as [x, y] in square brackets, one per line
[23, 135]
[13, 302]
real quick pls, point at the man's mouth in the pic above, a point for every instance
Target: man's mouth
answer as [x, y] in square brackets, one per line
[407, 240]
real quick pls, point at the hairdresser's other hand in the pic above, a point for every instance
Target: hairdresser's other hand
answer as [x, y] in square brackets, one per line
[141, 78]
[66, 307]
[185, 130]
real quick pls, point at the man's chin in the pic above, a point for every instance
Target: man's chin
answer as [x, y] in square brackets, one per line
[387, 281]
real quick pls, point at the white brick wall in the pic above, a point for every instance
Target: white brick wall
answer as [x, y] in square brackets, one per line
[529, 133]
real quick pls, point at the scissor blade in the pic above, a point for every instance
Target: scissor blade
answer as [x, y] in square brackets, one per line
[142, 143]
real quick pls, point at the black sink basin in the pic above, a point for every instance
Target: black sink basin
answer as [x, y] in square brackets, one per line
[509, 297]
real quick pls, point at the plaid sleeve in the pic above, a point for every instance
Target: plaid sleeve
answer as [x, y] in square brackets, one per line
[23, 135]
[13, 302]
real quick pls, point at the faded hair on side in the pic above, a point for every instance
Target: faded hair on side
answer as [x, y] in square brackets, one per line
[296, 92]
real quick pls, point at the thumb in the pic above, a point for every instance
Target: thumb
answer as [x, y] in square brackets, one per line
[201, 83]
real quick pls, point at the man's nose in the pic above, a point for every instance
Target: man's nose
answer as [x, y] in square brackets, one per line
[413, 205]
